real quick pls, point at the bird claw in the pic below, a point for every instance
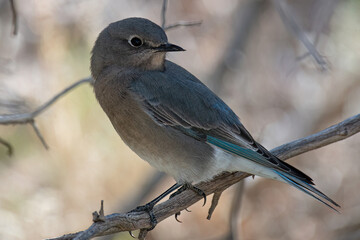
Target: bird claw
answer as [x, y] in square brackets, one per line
[178, 214]
[131, 234]
[147, 208]
[183, 188]
[198, 191]
[192, 187]
[176, 217]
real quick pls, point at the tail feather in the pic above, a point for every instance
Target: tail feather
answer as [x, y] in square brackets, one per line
[308, 189]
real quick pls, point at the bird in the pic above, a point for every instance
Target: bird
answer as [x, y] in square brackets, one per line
[172, 120]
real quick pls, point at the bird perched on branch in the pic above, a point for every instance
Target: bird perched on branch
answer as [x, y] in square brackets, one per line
[171, 119]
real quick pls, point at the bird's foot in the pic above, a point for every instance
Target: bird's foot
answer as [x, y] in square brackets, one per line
[147, 208]
[182, 189]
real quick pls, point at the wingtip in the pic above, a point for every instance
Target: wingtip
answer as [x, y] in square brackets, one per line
[310, 190]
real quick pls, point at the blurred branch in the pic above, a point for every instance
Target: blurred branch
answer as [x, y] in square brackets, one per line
[163, 13]
[14, 17]
[7, 145]
[324, 10]
[38, 133]
[131, 221]
[246, 15]
[288, 19]
[24, 118]
[177, 24]
[235, 210]
[182, 24]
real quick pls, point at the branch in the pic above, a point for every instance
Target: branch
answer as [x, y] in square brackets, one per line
[330, 135]
[23, 118]
[8, 146]
[182, 24]
[247, 13]
[163, 13]
[14, 17]
[119, 222]
[177, 24]
[288, 18]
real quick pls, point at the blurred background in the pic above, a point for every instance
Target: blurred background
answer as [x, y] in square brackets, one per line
[247, 51]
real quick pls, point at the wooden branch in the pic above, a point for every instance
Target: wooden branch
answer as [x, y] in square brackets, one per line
[8, 146]
[177, 24]
[29, 118]
[119, 222]
[183, 24]
[288, 18]
[23, 118]
[163, 13]
[330, 135]
[14, 17]
[246, 15]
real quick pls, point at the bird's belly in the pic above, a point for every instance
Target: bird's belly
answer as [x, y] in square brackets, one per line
[166, 149]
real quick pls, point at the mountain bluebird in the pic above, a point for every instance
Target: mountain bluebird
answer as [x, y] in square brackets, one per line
[170, 118]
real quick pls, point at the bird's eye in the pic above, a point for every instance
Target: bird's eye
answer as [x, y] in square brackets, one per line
[135, 42]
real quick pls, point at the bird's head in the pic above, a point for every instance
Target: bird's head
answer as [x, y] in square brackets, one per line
[131, 43]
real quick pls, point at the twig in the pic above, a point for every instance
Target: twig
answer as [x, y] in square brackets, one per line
[142, 234]
[182, 24]
[99, 216]
[23, 118]
[247, 13]
[289, 21]
[330, 135]
[214, 203]
[119, 222]
[40, 136]
[8, 146]
[325, 9]
[177, 24]
[163, 13]
[14, 17]
[235, 210]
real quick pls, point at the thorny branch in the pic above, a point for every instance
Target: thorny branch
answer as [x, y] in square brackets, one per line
[119, 222]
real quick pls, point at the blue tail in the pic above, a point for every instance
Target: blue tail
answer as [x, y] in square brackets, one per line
[308, 189]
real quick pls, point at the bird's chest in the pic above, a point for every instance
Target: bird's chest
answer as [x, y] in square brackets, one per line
[165, 148]
[144, 136]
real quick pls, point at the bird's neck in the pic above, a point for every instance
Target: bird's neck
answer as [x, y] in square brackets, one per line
[155, 62]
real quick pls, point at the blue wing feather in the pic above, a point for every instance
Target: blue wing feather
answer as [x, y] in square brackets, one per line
[178, 99]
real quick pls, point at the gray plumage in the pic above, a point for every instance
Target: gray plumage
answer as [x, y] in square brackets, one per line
[171, 119]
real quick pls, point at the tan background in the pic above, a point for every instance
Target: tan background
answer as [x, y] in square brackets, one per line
[278, 98]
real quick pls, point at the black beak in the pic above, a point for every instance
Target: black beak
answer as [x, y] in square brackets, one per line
[168, 47]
